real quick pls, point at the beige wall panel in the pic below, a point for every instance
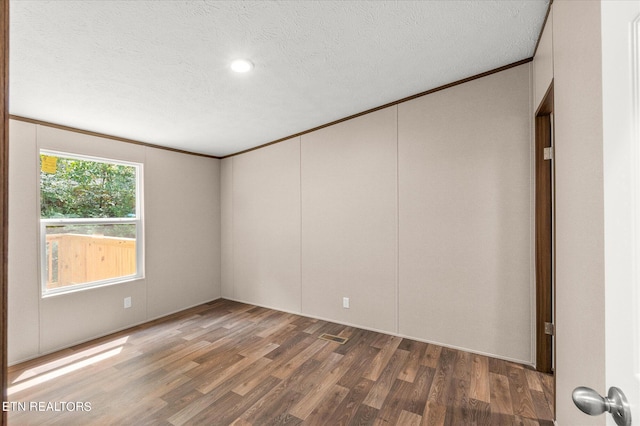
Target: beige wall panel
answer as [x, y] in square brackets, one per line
[349, 221]
[182, 207]
[266, 226]
[543, 63]
[226, 232]
[23, 333]
[182, 213]
[580, 308]
[76, 317]
[465, 216]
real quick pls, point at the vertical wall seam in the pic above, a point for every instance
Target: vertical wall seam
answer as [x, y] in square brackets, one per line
[38, 237]
[635, 109]
[144, 234]
[221, 222]
[397, 220]
[232, 271]
[300, 192]
[532, 213]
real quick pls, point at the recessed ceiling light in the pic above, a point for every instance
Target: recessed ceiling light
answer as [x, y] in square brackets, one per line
[241, 65]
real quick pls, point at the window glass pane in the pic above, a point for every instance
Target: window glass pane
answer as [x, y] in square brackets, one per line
[79, 254]
[79, 188]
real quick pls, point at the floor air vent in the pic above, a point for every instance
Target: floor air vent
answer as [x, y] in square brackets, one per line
[332, 338]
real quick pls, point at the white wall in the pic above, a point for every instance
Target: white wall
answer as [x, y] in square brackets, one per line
[182, 230]
[226, 217]
[349, 221]
[465, 216]
[579, 205]
[543, 63]
[23, 288]
[266, 226]
[570, 53]
[461, 228]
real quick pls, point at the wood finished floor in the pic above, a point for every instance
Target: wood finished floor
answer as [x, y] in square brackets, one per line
[231, 363]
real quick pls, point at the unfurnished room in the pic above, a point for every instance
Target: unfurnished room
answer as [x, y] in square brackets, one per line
[320, 212]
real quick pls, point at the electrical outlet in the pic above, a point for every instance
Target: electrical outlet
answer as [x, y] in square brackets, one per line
[345, 302]
[127, 302]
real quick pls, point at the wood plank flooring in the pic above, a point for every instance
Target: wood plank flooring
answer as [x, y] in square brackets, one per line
[226, 363]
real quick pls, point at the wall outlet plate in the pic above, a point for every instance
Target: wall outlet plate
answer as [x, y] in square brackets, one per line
[127, 302]
[345, 302]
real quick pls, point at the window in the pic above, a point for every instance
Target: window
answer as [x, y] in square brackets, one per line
[90, 222]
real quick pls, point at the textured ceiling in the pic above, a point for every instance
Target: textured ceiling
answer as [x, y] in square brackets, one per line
[158, 71]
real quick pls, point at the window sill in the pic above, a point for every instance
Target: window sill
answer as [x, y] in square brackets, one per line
[91, 286]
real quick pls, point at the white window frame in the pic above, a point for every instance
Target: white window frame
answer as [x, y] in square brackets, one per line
[137, 220]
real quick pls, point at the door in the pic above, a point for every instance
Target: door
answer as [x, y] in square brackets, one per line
[544, 233]
[621, 154]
